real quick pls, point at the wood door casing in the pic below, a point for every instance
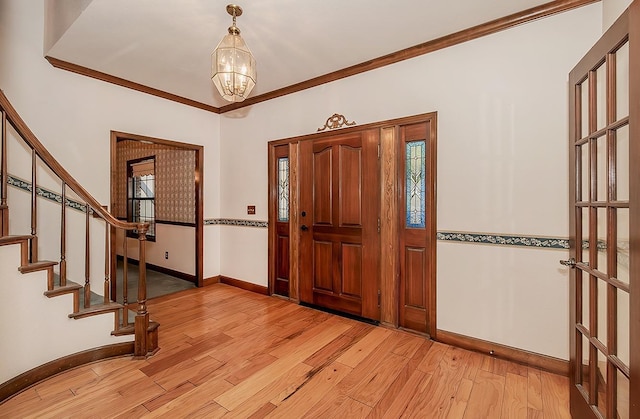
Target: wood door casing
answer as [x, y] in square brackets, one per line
[339, 208]
[604, 194]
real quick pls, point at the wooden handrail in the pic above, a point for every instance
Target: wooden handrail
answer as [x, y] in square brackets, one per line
[29, 137]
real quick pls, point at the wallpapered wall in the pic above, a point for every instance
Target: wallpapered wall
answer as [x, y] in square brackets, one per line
[175, 179]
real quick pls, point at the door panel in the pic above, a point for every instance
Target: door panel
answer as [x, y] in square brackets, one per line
[339, 243]
[414, 294]
[350, 180]
[351, 269]
[323, 266]
[603, 221]
[282, 265]
[323, 186]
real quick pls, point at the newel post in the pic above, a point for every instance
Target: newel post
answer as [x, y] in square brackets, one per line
[142, 316]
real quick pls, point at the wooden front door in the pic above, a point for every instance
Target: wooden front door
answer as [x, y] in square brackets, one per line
[604, 225]
[338, 218]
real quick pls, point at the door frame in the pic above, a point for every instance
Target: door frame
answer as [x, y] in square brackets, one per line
[390, 219]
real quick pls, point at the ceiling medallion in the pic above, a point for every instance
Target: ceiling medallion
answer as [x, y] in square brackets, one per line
[336, 121]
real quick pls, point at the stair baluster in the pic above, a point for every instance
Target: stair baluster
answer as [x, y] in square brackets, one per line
[87, 262]
[63, 237]
[33, 250]
[125, 281]
[107, 259]
[4, 220]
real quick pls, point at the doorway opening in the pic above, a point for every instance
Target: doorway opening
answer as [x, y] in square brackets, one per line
[162, 181]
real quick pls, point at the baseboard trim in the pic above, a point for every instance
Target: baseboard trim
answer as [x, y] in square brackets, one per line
[211, 280]
[167, 271]
[27, 379]
[244, 285]
[520, 356]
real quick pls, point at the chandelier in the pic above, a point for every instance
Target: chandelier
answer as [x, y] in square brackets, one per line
[233, 68]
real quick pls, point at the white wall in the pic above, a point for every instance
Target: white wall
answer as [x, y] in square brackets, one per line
[502, 168]
[178, 241]
[611, 10]
[73, 115]
[30, 339]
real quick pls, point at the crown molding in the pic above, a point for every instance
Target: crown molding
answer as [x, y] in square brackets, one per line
[475, 32]
[488, 28]
[95, 74]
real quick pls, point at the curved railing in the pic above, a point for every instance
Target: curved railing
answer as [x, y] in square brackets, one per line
[144, 344]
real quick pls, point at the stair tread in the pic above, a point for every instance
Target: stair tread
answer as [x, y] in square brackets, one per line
[96, 309]
[109, 306]
[13, 239]
[37, 266]
[58, 290]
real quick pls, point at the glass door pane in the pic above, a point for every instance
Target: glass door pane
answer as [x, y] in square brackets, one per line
[622, 163]
[622, 244]
[622, 81]
[601, 96]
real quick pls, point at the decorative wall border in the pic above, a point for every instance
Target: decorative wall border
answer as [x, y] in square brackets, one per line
[45, 193]
[236, 222]
[79, 206]
[446, 236]
[504, 239]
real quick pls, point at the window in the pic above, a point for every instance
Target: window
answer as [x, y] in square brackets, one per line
[415, 186]
[283, 189]
[141, 196]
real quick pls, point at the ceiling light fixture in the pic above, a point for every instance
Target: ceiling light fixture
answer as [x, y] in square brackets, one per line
[233, 68]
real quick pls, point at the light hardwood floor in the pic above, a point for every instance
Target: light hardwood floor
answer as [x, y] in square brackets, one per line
[229, 352]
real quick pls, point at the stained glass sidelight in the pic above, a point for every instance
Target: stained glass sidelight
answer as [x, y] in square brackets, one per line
[415, 183]
[283, 189]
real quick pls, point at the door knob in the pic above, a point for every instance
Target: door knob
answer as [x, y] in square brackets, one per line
[304, 227]
[570, 263]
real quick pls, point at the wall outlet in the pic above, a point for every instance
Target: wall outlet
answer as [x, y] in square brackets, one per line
[166, 255]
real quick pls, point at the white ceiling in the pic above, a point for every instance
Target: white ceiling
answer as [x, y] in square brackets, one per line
[166, 44]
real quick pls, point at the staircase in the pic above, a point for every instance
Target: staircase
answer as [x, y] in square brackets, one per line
[39, 335]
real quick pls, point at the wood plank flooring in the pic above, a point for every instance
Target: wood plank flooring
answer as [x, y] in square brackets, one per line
[232, 353]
